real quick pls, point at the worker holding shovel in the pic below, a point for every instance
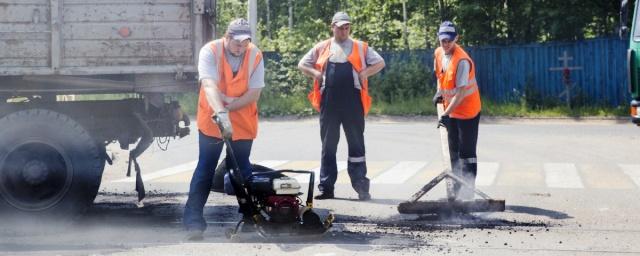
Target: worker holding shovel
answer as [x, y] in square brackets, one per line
[457, 87]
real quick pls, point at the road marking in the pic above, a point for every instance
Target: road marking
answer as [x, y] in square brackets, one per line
[562, 175]
[604, 176]
[399, 173]
[272, 163]
[304, 178]
[553, 175]
[633, 171]
[521, 174]
[189, 166]
[373, 168]
[430, 171]
[487, 172]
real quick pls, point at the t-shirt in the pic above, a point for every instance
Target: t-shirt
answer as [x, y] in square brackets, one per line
[462, 74]
[339, 52]
[208, 66]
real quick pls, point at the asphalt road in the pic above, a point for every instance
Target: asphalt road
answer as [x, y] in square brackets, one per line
[571, 188]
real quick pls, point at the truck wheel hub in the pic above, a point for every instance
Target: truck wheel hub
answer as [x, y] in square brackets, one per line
[35, 172]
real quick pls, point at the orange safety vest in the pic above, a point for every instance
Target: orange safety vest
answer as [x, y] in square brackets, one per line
[357, 60]
[245, 120]
[470, 105]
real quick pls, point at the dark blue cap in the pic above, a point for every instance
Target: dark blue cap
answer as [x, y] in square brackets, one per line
[447, 31]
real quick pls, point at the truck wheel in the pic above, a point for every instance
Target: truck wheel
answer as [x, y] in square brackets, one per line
[49, 164]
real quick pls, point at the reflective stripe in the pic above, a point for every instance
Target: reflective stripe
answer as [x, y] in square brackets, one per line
[361, 159]
[218, 47]
[356, 77]
[252, 59]
[466, 91]
[469, 160]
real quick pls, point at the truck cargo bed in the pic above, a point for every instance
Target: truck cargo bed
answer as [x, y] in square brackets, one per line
[96, 37]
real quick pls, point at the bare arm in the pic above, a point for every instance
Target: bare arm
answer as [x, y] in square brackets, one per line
[310, 72]
[213, 94]
[371, 70]
[251, 96]
[455, 101]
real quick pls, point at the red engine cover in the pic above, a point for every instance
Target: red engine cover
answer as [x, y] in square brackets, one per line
[283, 208]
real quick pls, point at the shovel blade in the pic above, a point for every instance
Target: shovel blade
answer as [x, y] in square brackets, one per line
[445, 206]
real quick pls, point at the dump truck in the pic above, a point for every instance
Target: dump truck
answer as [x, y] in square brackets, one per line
[78, 75]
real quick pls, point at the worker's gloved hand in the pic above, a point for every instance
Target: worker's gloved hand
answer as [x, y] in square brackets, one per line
[437, 98]
[444, 122]
[225, 123]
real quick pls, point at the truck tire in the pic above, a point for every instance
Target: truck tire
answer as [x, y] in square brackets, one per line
[49, 164]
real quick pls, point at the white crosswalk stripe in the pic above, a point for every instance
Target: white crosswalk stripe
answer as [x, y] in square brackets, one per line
[487, 172]
[552, 175]
[189, 166]
[633, 171]
[399, 173]
[272, 163]
[304, 178]
[562, 175]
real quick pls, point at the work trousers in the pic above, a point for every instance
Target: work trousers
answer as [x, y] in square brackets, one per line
[210, 150]
[463, 138]
[341, 106]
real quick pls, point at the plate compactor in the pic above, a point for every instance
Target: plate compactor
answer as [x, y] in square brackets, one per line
[451, 204]
[270, 201]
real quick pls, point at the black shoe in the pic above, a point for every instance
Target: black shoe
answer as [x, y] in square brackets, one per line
[324, 195]
[365, 196]
[194, 235]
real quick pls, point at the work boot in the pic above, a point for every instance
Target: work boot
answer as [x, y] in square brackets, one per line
[324, 195]
[194, 235]
[364, 196]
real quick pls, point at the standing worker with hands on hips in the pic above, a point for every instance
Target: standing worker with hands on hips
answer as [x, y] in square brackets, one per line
[458, 88]
[340, 67]
[231, 73]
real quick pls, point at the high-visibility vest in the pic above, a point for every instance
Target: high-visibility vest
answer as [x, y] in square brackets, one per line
[357, 60]
[245, 120]
[470, 105]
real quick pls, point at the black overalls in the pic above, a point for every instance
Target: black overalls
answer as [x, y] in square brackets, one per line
[341, 104]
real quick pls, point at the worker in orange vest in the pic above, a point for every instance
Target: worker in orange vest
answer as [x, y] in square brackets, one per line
[340, 68]
[458, 88]
[231, 73]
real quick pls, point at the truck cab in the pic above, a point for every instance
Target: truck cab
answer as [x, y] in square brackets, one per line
[633, 62]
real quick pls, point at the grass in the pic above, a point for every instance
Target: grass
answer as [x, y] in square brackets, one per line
[490, 108]
[298, 105]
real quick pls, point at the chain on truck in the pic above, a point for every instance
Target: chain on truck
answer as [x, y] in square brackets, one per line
[78, 75]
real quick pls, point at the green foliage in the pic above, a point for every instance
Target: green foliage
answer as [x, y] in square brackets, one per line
[407, 85]
[402, 80]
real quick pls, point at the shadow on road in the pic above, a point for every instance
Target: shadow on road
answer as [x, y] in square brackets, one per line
[556, 215]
